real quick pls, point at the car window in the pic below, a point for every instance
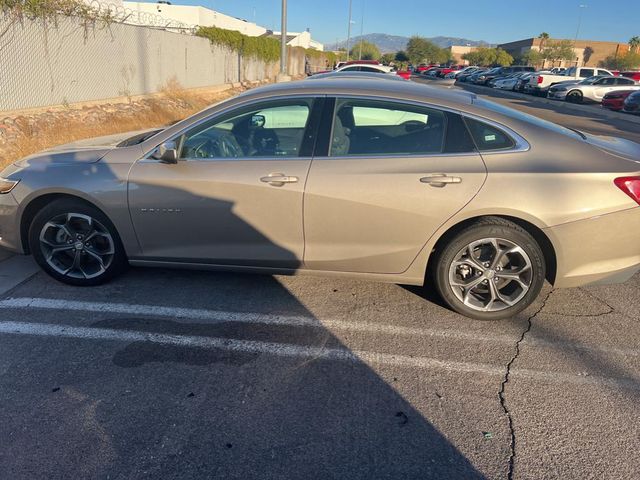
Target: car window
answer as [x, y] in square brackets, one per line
[624, 81]
[370, 69]
[586, 72]
[606, 81]
[375, 127]
[272, 129]
[488, 137]
[603, 72]
[350, 69]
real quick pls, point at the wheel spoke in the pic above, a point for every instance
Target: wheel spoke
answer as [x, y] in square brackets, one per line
[97, 257]
[475, 263]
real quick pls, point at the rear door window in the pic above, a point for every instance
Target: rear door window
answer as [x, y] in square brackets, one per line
[586, 72]
[377, 127]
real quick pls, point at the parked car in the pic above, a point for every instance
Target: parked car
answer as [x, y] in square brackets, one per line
[591, 89]
[365, 67]
[350, 177]
[467, 76]
[445, 70]
[508, 83]
[503, 72]
[353, 62]
[540, 83]
[465, 70]
[632, 75]
[482, 78]
[360, 75]
[632, 103]
[615, 100]
[523, 81]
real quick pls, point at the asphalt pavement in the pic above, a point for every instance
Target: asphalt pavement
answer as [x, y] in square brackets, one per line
[180, 374]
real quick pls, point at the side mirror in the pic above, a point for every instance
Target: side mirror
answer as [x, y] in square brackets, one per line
[167, 152]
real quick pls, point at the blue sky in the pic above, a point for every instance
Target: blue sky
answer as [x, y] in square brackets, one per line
[494, 21]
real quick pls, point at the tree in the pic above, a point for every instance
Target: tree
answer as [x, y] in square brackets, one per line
[544, 36]
[368, 49]
[586, 54]
[387, 58]
[558, 51]
[634, 44]
[532, 57]
[628, 61]
[488, 56]
[421, 50]
[401, 56]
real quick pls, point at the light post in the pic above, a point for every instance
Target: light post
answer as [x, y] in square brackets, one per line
[282, 76]
[361, 31]
[349, 30]
[580, 9]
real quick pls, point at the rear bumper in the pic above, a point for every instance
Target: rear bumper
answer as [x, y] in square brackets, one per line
[9, 224]
[599, 250]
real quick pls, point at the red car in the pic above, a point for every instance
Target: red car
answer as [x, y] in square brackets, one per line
[633, 75]
[443, 71]
[423, 66]
[615, 100]
[406, 74]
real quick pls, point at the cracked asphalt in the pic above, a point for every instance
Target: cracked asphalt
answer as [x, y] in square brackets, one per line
[178, 374]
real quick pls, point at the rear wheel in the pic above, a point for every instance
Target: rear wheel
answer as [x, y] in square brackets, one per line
[490, 270]
[76, 243]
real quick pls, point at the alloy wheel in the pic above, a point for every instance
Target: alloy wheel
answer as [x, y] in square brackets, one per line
[77, 246]
[491, 274]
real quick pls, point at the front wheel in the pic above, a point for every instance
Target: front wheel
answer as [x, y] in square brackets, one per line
[76, 244]
[490, 270]
[574, 96]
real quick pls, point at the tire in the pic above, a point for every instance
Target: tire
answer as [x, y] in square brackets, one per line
[521, 257]
[574, 96]
[76, 244]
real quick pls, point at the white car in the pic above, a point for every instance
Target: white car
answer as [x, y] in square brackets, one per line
[591, 89]
[455, 73]
[365, 67]
[508, 83]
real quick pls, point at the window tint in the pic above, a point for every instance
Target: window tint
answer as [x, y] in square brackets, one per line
[586, 72]
[606, 81]
[487, 137]
[273, 129]
[457, 139]
[370, 69]
[603, 72]
[373, 127]
[351, 69]
[624, 81]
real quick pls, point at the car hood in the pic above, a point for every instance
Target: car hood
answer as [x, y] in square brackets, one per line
[89, 150]
[615, 145]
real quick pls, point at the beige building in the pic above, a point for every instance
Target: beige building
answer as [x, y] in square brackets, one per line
[458, 50]
[587, 52]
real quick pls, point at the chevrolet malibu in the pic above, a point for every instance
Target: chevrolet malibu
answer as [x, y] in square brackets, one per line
[372, 179]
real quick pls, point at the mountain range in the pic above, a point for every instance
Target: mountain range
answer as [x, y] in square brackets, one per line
[393, 43]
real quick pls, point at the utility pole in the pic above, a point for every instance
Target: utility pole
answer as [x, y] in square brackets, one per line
[361, 30]
[349, 30]
[283, 77]
[580, 10]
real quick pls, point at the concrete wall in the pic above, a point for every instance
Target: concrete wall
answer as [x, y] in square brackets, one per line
[68, 63]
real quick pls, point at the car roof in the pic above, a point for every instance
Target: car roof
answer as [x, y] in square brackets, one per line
[349, 85]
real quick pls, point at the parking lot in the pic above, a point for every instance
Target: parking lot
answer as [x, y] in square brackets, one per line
[178, 374]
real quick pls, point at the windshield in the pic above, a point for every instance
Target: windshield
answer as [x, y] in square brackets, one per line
[589, 80]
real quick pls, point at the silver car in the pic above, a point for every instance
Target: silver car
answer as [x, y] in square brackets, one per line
[388, 181]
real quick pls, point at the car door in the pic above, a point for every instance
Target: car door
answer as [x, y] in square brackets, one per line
[234, 197]
[394, 173]
[603, 86]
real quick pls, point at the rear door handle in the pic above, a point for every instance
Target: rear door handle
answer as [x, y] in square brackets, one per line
[278, 179]
[440, 180]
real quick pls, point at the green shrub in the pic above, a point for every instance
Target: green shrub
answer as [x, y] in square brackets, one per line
[267, 49]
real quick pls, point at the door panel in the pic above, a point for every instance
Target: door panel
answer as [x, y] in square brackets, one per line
[222, 203]
[219, 211]
[366, 208]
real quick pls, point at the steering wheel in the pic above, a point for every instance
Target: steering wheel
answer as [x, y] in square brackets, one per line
[222, 147]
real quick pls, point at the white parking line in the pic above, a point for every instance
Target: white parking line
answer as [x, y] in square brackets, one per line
[243, 346]
[310, 353]
[219, 316]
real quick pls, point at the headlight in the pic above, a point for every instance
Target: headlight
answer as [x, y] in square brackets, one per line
[7, 185]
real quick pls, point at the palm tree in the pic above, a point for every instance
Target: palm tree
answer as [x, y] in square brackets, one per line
[634, 43]
[544, 36]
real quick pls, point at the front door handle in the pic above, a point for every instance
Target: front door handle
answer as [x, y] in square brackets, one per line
[440, 180]
[278, 179]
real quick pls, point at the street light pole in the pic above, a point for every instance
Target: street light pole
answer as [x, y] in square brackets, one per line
[349, 30]
[283, 40]
[580, 9]
[361, 31]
